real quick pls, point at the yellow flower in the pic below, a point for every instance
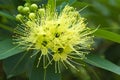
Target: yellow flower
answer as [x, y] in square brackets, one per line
[61, 37]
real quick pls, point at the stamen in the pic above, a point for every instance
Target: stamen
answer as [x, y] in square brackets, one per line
[48, 59]
[59, 67]
[58, 41]
[75, 62]
[71, 65]
[83, 8]
[73, 57]
[44, 61]
[55, 66]
[48, 63]
[35, 53]
[39, 60]
[76, 52]
[64, 64]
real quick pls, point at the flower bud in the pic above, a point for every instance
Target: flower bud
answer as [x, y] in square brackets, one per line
[25, 10]
[41, 12]
[19, 17]
[33, 7]
[20, 8]
[32, 16]
[29, 23]
[27, 4]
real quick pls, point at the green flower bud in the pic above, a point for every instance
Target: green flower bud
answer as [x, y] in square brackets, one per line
[28, 23]
[20, 8]
[19, 17]
[32, 16]
[41, 12]
[26, 10]
[33, 7]
[27, 4]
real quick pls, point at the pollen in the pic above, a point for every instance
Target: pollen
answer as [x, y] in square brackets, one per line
[58, 38]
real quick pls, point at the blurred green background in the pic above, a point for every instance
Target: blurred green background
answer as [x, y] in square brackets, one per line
[102, 13]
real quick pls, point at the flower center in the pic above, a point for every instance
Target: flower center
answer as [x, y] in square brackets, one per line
[44, 43]
[60, 50]
[57, 35]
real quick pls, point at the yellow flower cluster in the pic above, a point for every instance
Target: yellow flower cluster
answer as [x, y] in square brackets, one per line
[61, 37]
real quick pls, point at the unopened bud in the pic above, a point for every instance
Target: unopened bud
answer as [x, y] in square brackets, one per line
[20, 8]
[33, 7]
[32, 16]
[26, 10]
[29, 23]
[27, 4]
[19, 17]
[41, 11]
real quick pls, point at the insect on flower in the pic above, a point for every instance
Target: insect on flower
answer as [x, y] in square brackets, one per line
[58, 37]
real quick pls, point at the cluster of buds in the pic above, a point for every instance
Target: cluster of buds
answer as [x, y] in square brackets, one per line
[59, 38]
[27, 11]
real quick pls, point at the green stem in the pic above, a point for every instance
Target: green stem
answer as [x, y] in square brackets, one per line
[44, 74]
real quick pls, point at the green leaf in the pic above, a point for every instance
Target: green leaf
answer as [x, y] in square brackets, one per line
[17, 64]
[102, 63]
[7, 15]
[38, 73]
[51, 75]
[7, 49]
[108, 35]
